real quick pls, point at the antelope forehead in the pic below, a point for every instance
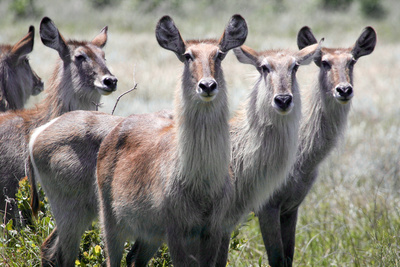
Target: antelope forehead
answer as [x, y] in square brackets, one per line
[205, 50]
[337, 58]
[279, 61]
[91, 51]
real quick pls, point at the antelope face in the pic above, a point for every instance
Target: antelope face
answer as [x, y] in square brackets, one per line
[90, 66]
[86, 59]
[278, 72]
[16, 57]
[202, 61]
[337, 73]
[336, 65]
[28, 77]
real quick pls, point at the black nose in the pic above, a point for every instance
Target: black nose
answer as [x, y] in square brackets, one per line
[110, 82]
[344, 90]
[208, 85]
[283, 101]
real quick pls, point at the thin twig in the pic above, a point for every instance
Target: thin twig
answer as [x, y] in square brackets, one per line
[116, 103]
[130, 90]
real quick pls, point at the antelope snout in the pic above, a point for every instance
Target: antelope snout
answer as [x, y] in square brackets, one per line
[38, 85]
[207, 89]
[283, 103]
[107, 85]
[344, 92]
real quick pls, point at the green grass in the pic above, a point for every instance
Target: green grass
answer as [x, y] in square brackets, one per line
[351, 216]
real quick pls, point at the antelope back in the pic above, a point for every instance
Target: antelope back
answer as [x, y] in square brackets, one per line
[336, 64]
[82, 67]
[17, 79]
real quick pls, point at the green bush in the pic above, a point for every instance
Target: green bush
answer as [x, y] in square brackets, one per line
[24, 8]
[372, 8]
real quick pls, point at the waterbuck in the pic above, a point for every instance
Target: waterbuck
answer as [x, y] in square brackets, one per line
[63, 155]
[17, 79]
[161, 179]
[264, 134]
[79, 79]
[322, 125]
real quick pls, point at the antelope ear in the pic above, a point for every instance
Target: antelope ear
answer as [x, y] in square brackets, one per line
[305, 37]
[168, 37]
[235, 33]
[52, 38]
[307, 54]
[365, 44]
[24, 46]
[247, 55]
[101, 39]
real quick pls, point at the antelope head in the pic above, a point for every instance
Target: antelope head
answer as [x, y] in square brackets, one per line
[336, 65]
[202, 58]
[17, 57]
[85, 59]
[277, 82]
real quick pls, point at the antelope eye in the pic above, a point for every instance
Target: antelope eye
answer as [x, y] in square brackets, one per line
[221, 55]
[296, 67]
[326, 65]
[80, 57]
[188, 56]
[265, 69]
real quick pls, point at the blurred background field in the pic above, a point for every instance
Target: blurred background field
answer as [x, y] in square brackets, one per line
[352, 215]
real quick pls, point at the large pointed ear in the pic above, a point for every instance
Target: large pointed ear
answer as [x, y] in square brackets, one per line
[168, 37]
[305, 37]
[365, 44]
[101, 39]
[307, 54]
[52, 38]
[247, 55]
[235, 33]
[23, 46]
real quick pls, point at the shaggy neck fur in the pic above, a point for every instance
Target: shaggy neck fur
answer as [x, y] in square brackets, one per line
[202, 137]
[264, 144]
[323, 124]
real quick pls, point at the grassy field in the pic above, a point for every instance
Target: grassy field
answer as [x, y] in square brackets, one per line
[352, 215]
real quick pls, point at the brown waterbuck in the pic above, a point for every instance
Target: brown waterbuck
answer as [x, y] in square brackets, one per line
[161, 179]
[322, 126]
[63, 155]
[17, 79]
[79, 79]
[263, 133]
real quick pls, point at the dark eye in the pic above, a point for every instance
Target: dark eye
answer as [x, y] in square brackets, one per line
[296, 67]
[265, 69]
[221, 55]
[188, 56]
[326, 65]
[80, 57]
